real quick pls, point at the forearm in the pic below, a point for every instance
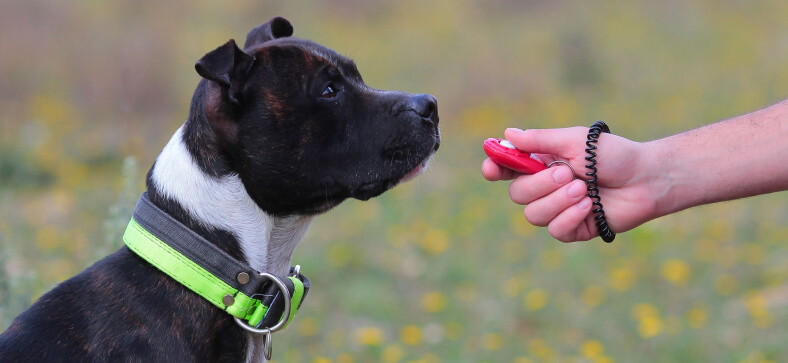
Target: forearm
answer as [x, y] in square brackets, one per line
[736, 158]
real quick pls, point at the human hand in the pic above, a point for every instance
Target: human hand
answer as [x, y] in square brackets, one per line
[556, 201]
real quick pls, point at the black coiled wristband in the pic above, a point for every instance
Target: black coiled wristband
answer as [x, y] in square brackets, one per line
[593, 191]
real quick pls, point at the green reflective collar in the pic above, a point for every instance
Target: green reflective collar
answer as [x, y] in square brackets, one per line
[208, 271]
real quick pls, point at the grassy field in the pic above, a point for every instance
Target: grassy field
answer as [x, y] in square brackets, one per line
[444, 268]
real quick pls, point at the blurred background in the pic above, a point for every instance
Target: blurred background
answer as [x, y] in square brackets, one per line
[444, 268]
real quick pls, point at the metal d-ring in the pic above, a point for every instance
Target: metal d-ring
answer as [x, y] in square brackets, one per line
[565, 163]
[286, 314]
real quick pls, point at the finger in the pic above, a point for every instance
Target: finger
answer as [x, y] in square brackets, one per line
[494, 172]
[561, 142]
[574, 223]
[528, 188]
[543, 210]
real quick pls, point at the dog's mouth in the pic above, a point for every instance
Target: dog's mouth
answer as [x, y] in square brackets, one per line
[333, 191]
[422, 166]
[373, 189]
[416, 171]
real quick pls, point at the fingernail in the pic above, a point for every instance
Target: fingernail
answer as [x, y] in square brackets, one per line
[584, 204]
[577, 190]
[515, 130]
[562, 175]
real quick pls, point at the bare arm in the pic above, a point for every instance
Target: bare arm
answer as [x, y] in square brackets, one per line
[736, 158]
[638, 182]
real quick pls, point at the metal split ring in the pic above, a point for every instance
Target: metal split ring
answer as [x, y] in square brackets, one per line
[574, 176]
[268, 347]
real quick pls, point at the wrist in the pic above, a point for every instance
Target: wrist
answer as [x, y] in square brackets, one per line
[670, 180]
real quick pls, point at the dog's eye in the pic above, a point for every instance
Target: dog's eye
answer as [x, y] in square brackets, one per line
[329, 92]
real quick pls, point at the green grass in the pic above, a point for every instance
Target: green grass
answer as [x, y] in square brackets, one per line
[444, 268]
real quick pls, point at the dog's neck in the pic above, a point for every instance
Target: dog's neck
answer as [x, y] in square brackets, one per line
[220, 209]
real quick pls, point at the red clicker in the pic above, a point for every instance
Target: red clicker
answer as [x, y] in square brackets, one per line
[503, 153]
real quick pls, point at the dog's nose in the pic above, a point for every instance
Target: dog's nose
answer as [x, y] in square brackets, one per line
[425, 105]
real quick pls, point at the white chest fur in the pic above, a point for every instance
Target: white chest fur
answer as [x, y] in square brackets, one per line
[222, 203]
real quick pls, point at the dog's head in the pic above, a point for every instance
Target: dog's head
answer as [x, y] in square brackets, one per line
[300, 127]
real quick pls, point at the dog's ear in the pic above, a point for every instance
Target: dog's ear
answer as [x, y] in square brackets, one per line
[277, 27]
[227, 66]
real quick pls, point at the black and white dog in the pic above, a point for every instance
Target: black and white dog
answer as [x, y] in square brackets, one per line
[278, 132]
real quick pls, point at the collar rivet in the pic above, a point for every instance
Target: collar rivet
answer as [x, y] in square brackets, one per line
[243, 278]
[228, 300]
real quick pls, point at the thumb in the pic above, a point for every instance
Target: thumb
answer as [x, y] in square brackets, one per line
[559, 142]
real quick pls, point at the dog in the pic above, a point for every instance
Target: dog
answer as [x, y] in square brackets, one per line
[277, 133]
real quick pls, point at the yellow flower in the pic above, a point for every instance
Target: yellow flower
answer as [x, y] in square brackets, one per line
[650, 327]
[755, 303]
[759, 312]
[435, 241]
[47, 239]
[512, 286]
[697, 317]
[756, 357]
[392, 354]
[535, 299]
[492, 341]
[602, 359]
[643, 310]
[523, 360]
[649, 322]
[621, 279]
[719, 230]
[370, 336]
[433, 302]
[539, 348]
[675, 271]
[411, 335]
[592, 349]
[321, 360]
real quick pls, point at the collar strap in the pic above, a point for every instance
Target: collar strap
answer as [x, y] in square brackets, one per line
[229, 284]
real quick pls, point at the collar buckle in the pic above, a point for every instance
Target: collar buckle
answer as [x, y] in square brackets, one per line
[285, 314]
[267, 332]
